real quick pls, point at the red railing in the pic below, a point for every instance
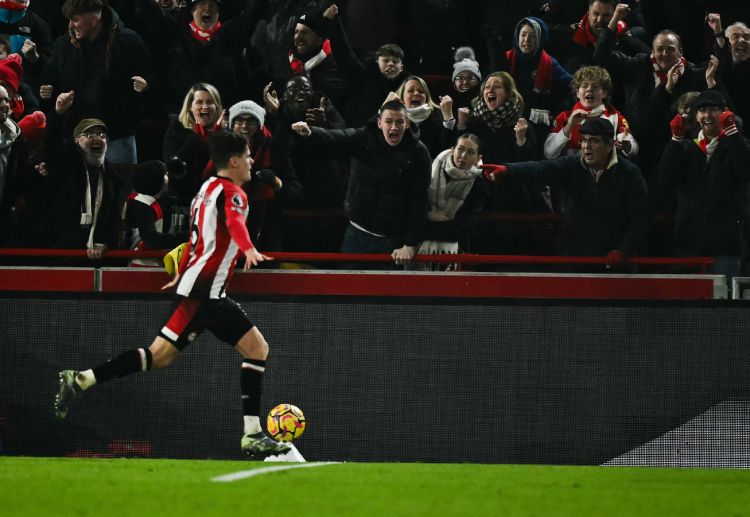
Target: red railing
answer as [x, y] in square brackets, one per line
[701, 264]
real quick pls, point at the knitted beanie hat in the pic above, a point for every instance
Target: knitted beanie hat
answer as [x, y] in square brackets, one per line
[465, 62]
[315, 21]
[247, 108]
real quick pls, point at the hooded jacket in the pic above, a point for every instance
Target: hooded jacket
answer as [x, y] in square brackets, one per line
[552, 94]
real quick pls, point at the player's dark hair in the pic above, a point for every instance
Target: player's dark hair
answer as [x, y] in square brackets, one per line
[224, 145]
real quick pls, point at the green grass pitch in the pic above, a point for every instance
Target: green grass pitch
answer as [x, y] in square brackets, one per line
[140, 487]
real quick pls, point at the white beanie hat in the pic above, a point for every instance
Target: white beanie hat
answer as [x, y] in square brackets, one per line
[465, 62]
[247, 108]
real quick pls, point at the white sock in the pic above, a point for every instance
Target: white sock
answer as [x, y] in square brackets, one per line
[86, 379]
[252, 424]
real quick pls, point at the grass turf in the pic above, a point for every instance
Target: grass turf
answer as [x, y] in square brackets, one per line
[104, 487]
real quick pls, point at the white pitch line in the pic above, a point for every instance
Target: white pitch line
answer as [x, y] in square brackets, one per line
[242, 474]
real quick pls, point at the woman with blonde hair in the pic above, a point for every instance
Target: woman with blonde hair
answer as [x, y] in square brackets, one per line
[186, 140]
[425, 116]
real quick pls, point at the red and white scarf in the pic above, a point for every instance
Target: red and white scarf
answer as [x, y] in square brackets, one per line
[707, 145]
[544, 70]
[204, 35]
[298, 67]
[585, 37]
[660, 76]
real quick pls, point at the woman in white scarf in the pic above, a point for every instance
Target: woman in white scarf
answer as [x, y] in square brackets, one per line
[456, 190]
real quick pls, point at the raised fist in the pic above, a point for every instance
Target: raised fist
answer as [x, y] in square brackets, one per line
[677, 125]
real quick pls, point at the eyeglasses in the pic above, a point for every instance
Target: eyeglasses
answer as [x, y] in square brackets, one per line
[245, 121]
[91, 134]
[466, 79]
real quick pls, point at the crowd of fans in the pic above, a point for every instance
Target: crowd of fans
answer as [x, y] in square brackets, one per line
[416, 119]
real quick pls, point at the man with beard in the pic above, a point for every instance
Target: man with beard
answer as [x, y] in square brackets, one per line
[711, 175]
[372, 81]
[386, 201]
[606, 203]
[311, 54]
[593, 24]
[82, 195]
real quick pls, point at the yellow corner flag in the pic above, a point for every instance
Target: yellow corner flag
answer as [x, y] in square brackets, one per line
[173, 258]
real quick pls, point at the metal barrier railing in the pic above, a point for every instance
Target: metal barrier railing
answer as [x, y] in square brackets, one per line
[701, 264]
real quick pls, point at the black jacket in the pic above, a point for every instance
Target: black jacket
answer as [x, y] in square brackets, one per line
[387, 192]
[19, 181]
[612, 214]
[187, 146]
[644, 102]
[220, 62]
[100, 73]
[712, 212]
[313, 178]
[499, 146]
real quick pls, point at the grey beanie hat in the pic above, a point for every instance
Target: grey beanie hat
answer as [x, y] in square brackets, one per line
[247, 108]
[465, 62]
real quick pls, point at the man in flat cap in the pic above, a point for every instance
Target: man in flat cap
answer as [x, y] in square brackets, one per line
[710, 174]
[606, 201]
[82, 195]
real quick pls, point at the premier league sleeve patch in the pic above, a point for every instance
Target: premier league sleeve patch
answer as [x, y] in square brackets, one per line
[237, 203]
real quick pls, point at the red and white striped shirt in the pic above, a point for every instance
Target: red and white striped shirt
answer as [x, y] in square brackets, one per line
[218, 236]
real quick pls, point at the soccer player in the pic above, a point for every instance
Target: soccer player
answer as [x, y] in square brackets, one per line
[218, 237]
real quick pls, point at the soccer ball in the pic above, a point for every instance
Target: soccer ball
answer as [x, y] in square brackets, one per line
[285, 422]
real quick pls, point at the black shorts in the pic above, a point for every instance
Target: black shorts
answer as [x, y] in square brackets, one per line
[190, 316]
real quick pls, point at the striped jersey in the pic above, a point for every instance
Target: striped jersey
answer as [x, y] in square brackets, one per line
[218, 236]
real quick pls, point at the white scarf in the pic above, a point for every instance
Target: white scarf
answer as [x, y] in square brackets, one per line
[449, 196]
[89, 211]
[419, 114]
